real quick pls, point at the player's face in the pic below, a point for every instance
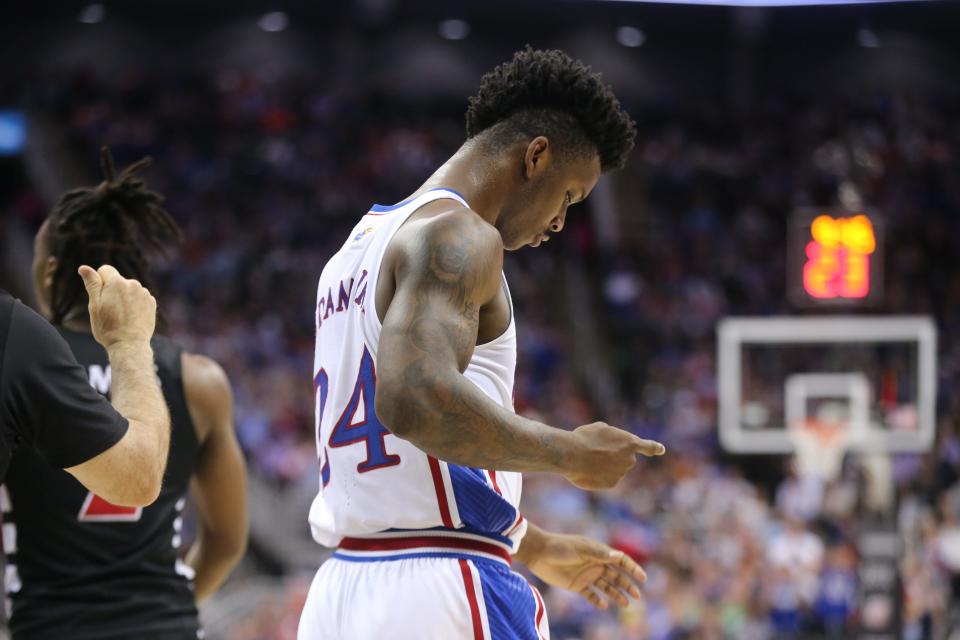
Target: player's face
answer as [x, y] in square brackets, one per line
[42, 268]
[552, 184]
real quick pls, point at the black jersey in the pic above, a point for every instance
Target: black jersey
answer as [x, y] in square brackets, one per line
[81, 568]
[46, 403]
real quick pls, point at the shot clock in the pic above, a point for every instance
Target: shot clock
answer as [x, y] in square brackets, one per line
[834, 258]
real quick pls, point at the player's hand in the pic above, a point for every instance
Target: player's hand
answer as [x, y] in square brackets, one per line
[121, 310]
[603, 455]
[592, 569]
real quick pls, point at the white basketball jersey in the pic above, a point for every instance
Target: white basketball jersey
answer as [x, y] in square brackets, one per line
[373, 484]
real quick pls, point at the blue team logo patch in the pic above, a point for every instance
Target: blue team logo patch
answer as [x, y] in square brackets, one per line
[362, 233]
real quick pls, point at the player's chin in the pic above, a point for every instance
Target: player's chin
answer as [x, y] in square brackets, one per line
[539, 239]
[516, 244]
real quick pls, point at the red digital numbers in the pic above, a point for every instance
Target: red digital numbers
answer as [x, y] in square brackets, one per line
[838, 257]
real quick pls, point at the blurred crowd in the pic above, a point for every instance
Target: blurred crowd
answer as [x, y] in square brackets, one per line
[267, 177]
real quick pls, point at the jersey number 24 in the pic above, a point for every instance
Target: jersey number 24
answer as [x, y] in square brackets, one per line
[352, 428]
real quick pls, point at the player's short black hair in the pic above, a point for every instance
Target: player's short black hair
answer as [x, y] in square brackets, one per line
[119, 222]
[549, 93]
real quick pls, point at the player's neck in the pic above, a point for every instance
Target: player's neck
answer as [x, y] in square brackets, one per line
[472, 173]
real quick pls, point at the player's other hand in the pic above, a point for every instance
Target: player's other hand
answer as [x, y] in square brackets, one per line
[603, 454]
[592, 569]
[121, 310]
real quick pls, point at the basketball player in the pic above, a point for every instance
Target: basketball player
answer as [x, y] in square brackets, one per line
[420, 450]
[82, 568]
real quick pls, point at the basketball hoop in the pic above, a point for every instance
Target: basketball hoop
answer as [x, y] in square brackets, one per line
[819, 446]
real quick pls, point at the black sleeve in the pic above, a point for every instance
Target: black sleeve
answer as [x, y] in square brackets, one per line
[48, 399]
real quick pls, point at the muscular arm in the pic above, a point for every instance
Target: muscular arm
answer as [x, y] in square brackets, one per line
[428, 336]
[219, 483]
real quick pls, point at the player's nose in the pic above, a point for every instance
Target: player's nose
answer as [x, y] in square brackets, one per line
[557, 224]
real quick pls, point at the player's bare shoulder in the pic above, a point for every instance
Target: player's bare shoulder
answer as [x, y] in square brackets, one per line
[208, 392]
[455, 246]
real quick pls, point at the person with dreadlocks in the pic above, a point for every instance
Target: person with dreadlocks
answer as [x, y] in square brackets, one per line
[420, 449]
[84, 568]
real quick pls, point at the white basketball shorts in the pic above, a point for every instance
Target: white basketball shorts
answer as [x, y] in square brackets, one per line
[412, 589]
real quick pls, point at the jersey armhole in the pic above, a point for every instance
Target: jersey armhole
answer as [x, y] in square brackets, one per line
[372, 321]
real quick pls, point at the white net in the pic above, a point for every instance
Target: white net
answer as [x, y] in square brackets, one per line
[819, 446]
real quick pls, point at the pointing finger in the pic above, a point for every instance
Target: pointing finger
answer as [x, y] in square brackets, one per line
[649, 447]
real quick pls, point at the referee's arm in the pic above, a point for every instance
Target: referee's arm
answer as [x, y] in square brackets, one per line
[118, 452]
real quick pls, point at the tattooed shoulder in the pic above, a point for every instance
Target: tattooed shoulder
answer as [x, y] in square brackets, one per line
[464, 250]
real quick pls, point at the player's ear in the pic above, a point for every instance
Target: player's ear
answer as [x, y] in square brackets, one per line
[537, 158]
[48, 270]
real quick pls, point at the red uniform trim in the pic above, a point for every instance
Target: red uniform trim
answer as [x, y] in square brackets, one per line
[540, 609]
[472, 599]
[419, 542]
[515, 524]
[441, 492]
[493, 478]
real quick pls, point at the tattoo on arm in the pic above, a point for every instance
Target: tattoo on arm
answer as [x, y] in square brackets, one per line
[428, 338]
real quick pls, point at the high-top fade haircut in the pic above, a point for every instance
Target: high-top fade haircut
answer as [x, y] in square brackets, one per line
[549, 93]
[119, 222]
